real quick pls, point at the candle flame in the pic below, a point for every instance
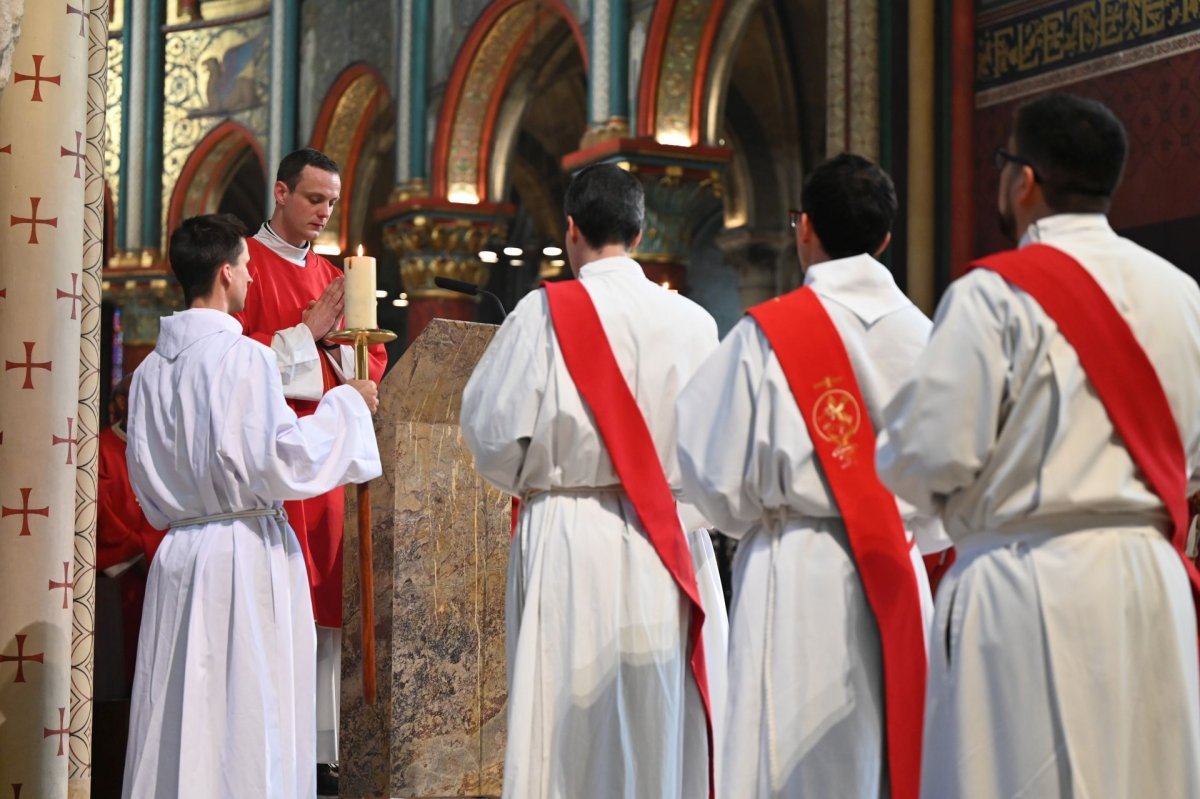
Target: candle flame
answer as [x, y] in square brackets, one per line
[360, 251]
[666, 284]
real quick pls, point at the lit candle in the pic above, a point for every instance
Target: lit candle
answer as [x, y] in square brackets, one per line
[360, 292]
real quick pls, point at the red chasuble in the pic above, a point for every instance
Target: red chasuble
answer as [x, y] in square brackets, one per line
[594, 370]
[275, 301]
[823, 383]
[1116, 366]
[122, 533]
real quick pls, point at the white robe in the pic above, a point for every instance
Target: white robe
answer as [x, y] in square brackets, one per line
[1066, 660]
[601, 702]
[804, 716]
[223, 697]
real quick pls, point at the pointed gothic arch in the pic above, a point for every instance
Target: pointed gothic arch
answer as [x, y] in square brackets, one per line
[503, 38]
[227, 155]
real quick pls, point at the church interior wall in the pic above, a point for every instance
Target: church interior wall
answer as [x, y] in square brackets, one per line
[1142, 60]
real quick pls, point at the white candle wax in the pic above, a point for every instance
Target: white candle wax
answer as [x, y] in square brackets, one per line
[360, 292]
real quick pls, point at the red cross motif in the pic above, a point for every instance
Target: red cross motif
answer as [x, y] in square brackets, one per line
[73, 10]
[32, 220]
[73, 294]
[21, 657]
[62, 731]
[28, 365]
[37, 79]
[77, 152]
[64, 585]
[70, 440]
[25, 511]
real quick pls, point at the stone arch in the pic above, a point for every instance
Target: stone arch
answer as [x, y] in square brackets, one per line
[353, 118]
[494, 50]
[209, 171]
[679, 48]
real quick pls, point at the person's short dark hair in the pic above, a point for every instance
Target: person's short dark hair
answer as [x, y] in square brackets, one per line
[607, 204]
[198, 249]
[293, 164]
[1076, 146]
[851, 204]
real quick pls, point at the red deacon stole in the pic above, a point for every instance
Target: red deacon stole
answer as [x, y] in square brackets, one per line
[819, 372]
[593, 368]
[1117, 367]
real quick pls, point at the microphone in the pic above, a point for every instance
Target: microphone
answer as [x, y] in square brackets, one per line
[463, 287]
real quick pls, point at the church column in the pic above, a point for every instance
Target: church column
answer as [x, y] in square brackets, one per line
[608, 72]
[134, 188]
[435, 238]
[761, 258]
[88, 418]
[852, 84]
[682, 185]
[411, 101]
[282, 108]
[43, 125]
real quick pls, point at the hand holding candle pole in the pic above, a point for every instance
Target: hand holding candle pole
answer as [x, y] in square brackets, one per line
[362, 330]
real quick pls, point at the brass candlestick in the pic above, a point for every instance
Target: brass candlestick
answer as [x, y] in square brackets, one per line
[362, 338]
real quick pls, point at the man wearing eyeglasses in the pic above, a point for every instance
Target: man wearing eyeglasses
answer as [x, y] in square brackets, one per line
[827, 634]
[1054, 424]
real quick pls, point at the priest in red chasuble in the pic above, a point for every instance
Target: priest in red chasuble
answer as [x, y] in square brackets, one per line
[296, 299]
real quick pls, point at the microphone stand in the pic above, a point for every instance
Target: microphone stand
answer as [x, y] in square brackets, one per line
[470, 289]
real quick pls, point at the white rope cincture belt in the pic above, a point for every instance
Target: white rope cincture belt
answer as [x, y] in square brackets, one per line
[279, 514]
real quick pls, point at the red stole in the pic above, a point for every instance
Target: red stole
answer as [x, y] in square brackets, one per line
[823, 383]
[1116, 366]
[593, 368]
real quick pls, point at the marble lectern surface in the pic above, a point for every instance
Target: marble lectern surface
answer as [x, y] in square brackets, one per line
[441, 552]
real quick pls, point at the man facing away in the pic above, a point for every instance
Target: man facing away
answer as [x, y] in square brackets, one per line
[805, 708]
[601, 700]
[296, 299]
[223, 693]
[1065, 654]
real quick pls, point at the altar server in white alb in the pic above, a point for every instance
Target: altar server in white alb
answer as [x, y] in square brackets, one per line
[805, 708]
[223, 695]
[601, 701]
[1065, 655]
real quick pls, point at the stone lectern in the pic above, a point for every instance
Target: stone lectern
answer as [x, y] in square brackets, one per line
[441, 553]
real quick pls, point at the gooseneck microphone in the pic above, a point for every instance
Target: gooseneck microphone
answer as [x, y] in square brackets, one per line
[463, 287]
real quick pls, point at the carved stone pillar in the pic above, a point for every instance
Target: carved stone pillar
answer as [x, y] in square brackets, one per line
[683, 187]
[436, 238]
[763, 259]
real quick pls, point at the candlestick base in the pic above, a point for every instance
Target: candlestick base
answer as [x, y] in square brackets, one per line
[361, 337]
[354, 335]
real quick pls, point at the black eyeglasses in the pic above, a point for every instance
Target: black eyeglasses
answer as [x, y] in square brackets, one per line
[793, 218]
[1001, 157]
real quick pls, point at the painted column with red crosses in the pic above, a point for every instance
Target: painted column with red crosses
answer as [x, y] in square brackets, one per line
[43, 130]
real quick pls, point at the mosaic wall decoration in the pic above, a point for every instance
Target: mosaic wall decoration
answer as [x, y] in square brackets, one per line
[212, 74]
[112, 116]
[1022, 49]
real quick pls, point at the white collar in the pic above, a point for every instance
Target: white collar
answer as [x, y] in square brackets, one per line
[267, 236]
[860, 283]
[607, 266]
[1056, 226]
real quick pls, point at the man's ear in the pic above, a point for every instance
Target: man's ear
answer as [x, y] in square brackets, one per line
[225, 274]
[572, 230]
[1028, 187]
[281, 192]
[806, 229]
[886, 241]
[636, 241]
